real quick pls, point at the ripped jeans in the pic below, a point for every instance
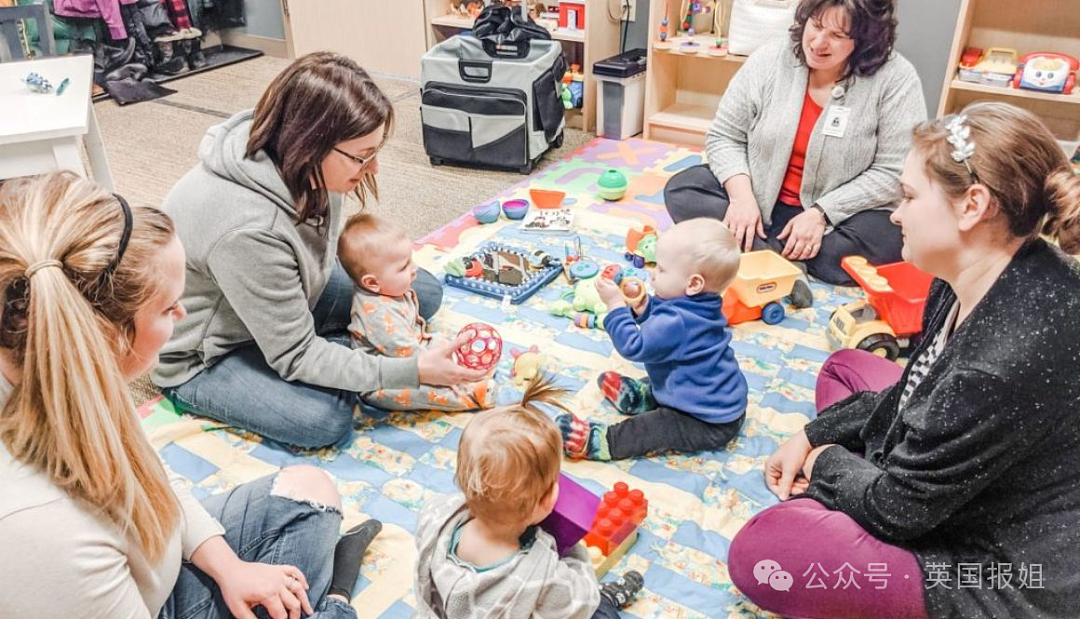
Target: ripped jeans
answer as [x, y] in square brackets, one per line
[265, 528]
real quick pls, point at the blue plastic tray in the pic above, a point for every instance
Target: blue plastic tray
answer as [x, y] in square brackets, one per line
[517, 294]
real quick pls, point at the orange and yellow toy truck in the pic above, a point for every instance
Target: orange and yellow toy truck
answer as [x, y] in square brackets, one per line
[891, 315]
[764, 278]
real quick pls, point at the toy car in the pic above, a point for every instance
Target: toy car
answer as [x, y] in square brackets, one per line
[1047, 72]
[996, 68]
[891, 315]
[764, 278]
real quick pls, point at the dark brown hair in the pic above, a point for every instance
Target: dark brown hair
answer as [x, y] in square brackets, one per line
[320, 100]
[1018, 160]
[872, 28]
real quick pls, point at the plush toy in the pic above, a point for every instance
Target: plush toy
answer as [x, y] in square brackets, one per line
[483, 349]
[582, 304]
[528, 364]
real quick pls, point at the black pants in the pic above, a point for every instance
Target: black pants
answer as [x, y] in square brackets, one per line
[666, 429]
[695, 192]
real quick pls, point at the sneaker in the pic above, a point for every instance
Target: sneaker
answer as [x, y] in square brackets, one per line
[801, 296]
[620, 591]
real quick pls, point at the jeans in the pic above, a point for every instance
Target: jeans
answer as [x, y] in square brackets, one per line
[695, 192]
[606, 610]
[265, 528]
[242, 390]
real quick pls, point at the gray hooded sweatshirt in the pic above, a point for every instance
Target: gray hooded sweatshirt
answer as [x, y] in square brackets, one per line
[254, 274]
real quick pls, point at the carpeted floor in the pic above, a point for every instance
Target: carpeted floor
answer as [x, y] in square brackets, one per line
[151, 145]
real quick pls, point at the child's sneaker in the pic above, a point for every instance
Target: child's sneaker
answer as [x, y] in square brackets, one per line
[620, 591]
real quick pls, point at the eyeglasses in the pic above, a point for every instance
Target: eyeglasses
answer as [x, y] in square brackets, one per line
[360, 161]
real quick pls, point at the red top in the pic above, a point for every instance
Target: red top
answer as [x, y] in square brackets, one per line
[789, 191]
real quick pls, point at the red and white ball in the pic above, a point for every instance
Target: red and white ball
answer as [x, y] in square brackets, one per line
[483, 349]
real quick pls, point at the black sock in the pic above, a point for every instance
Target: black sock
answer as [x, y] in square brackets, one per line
[349, 553]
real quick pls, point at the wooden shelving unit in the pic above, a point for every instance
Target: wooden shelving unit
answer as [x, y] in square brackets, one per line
[1032, 26]
[684, 84]
[599, 40]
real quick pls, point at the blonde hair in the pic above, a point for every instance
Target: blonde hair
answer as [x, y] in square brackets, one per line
[1018, 160]
[71, 415]
[362, 242]
[509, 457]
[712, 250]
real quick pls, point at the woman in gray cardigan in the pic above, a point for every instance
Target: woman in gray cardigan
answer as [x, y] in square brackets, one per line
[806, 149]
[264, 345]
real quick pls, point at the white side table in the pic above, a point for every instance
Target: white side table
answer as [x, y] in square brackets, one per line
[41, 132]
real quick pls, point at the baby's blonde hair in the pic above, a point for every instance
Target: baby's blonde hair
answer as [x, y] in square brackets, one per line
[509, 457]
[362, 242]
[712, 250]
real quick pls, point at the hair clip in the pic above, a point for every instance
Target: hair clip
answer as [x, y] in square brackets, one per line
[960, 139]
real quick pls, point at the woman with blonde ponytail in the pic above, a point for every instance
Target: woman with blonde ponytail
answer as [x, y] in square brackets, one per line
[91, 524]
[959, 472]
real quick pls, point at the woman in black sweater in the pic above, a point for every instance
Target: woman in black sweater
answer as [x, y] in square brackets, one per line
[964, 476]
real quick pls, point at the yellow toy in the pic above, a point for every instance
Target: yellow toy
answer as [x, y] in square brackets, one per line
[528, 364]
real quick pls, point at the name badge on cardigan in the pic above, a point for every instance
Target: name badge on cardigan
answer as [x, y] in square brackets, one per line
[836, 120]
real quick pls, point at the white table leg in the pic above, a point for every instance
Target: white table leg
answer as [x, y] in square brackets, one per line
[95, 151]
[65, 152]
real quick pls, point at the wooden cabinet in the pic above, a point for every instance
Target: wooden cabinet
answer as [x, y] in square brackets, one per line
[1031, 26]
[383, 37]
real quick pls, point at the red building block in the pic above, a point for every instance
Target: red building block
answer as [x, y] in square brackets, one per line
[620, 512]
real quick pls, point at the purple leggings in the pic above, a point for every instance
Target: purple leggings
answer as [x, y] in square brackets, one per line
[802, 560]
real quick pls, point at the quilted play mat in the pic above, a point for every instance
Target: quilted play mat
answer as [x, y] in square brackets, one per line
[395, 461]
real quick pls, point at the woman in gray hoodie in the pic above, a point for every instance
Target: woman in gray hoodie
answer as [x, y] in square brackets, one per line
[265, 346]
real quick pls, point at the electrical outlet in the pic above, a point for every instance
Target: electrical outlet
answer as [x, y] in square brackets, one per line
[629, 7]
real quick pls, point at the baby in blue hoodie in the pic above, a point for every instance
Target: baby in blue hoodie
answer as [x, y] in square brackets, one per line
[694, 398]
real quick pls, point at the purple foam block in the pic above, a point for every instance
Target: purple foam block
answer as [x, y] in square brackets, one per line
[573, 514]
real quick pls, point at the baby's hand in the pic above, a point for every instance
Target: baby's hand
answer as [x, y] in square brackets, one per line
[609, 293]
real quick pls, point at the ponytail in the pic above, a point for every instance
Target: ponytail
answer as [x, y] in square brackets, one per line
[67, 319]
[1063, 197]
[542, 390]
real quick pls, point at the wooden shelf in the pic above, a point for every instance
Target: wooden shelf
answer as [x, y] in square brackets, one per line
[704, 42]
[685, 117]
[1073, 98]
[464, 23]
[452, 21]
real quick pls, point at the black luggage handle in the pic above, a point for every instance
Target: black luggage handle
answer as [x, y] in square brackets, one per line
[467, 69]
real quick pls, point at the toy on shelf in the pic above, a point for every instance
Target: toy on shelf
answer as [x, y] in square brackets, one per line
[501, 271]
[891, 315]
[487, 213]
[994, 68]
[1047, 72]
[612, 185]
[483, 349]
[572, 516]
[763, 279]
[515, 209]
[573, 82]
[614, 528]
[641, 246]
[571, 15]
[528, 364]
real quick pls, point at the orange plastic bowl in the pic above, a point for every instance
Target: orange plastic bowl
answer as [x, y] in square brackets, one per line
[547, 198]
